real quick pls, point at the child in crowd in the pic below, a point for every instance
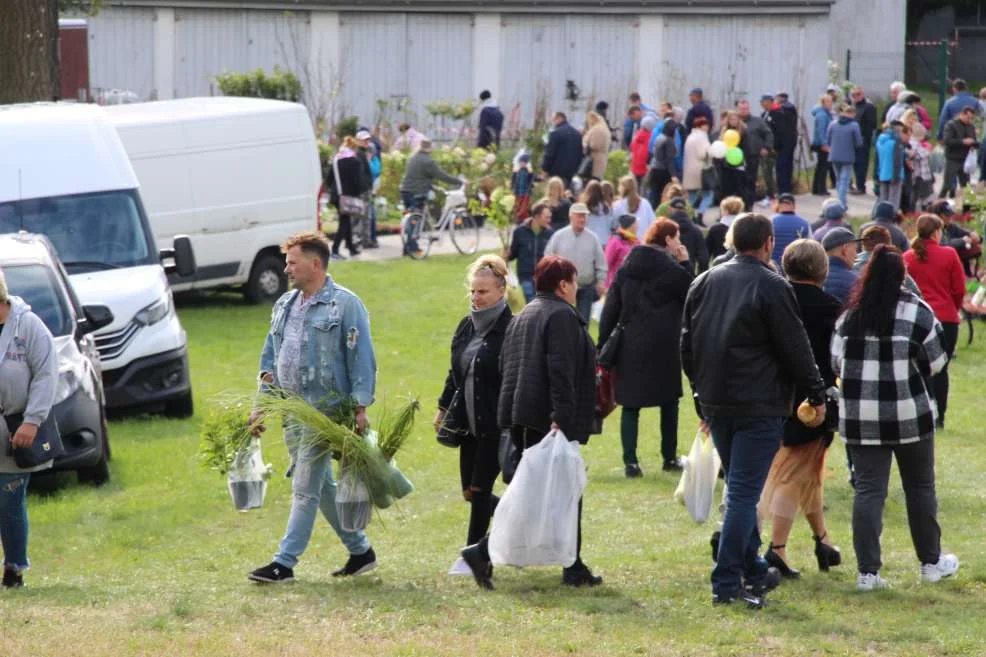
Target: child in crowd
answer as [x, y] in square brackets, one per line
[922, 180]
[521, 184]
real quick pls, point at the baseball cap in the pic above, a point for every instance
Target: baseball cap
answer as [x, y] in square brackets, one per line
[626, 221]
[942, 209]
[786, 198]
[781, 93]
[834, 211]
[766, 97]
[648, 122]
[363, 134]
[697, 91]
[884, 210]
[678, 203]
[838, 237]
[578, 208]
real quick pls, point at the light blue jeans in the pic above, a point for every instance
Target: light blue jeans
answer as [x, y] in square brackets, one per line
[843, 177]
[13, 520]
[313, 489]
[707, 198]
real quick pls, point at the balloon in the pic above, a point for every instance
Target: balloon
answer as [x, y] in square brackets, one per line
[731, 138]
[718, 150]
[734, 156]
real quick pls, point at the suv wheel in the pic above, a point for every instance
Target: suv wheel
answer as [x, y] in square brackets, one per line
[99, 474]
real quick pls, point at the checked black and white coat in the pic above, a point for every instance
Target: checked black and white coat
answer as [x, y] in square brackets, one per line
[886, 380]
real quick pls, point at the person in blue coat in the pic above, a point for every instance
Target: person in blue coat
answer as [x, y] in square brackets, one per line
[891, 153]
[844, 139]
[822, 117]
[788, 227]
[490, 122]
[841, 246]
[954, 105]
[699, 108]
[563, 152]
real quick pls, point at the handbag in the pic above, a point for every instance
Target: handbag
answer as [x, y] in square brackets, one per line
[352, 206]
[609, 353]
[605, 392]
[710, 179]
[447, 434]
[47, 444]
[585, 168]
[508, 455]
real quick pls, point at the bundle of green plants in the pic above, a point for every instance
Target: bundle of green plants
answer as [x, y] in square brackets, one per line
[225, 433]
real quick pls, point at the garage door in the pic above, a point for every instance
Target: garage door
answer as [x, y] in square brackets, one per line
[541, 53]
[121, 51]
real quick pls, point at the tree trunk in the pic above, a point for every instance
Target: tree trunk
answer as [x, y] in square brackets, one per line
[29, 69]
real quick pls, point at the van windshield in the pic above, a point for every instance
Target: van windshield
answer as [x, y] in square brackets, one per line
[37, 285]
[90, 232]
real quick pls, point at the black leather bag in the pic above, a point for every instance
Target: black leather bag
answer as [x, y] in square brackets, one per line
[47, 444]
[610, 351]
[508, 455]
[710, 179]
[448, 434]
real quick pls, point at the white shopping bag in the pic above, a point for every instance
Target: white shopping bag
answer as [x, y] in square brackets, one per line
[536, 522]
[971, 164]
[697, 487]
[247, 477]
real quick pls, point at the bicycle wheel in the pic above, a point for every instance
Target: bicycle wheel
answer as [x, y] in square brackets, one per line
[418, 234]
[465, 233]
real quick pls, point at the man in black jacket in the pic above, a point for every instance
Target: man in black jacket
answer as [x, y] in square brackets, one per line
[959, 139]
[759, 143]
[527, 246]
[866, 116]
[563, 152]
[744, 349]
[784, 118]
[490, 122]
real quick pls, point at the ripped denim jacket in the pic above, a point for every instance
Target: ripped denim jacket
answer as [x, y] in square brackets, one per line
[337, 359]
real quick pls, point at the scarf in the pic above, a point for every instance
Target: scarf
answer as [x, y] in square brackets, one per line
[627, 235]
[483, 320]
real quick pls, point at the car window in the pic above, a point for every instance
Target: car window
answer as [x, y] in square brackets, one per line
[37, 285]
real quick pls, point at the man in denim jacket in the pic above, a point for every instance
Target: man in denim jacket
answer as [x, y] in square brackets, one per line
[318, 347]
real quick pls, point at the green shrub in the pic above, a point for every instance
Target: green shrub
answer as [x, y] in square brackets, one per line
[279, 85]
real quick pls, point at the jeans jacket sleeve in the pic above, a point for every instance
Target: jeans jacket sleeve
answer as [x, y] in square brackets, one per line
[267, 363]
[361, 363]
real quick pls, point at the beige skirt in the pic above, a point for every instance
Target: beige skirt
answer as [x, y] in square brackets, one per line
[795, 481]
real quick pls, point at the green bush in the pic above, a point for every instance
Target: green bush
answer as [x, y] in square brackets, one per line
[346, 127]
[279, 85]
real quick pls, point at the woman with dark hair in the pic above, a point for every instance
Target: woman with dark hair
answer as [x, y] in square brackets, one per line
[468, 402]
[939, 275]
[547, 384]
[885, 349]
[663, 164]
[647, 297]
[797, 473]
[601, 218]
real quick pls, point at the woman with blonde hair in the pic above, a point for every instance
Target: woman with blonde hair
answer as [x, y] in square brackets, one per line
[715, 239]
[596, 143]
[467, 407]
[631, 202]
[795, 481]
[558, 199]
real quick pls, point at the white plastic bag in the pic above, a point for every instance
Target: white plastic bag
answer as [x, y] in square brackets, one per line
[971, 164]
[536, 522]
[247, 477]
[697, 486]
[937, 159]
[353, 502]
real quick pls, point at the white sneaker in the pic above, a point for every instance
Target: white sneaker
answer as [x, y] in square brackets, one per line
[871, 582]
[460, 568]
[948, 565]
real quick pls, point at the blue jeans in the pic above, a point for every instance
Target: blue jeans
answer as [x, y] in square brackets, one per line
[13, 520]
[312, 489]
[746, 446]
[412, 202]
[527, 285]
[843, 178]
[584, 298]
[706, 200]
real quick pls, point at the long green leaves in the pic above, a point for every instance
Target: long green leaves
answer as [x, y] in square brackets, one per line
[224, 433]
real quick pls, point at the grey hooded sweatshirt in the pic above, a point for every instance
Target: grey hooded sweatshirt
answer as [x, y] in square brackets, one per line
[28, 374]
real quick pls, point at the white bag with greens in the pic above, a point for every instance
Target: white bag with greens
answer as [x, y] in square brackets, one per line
[247, 477]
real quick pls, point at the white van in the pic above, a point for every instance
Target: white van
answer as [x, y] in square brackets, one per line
[237, 175]
[64, 174]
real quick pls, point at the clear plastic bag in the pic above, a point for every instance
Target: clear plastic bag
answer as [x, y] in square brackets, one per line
[536, 521]
[247, 478]
[697, 486]
[353, 502]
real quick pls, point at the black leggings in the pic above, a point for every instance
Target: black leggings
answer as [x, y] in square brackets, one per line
[344, 232]
[950, 337]
[478, 470]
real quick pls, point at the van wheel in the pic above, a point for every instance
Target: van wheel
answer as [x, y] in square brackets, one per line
[180, 407]
[267, 280]
[99, 474]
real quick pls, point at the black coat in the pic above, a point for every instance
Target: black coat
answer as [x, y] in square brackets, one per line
[694, 241]
[549, 370]
[354, 175]
[563, 153]
[784, 120]
[866, 116]
[527, 248]
[486, 378]
[743, 345]
[648, 366]
[559, 214]
[819, 312]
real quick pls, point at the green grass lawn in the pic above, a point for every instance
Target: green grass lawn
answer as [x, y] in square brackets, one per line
[155, 562]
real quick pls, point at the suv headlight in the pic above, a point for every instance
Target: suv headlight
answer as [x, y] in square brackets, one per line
[155, 312]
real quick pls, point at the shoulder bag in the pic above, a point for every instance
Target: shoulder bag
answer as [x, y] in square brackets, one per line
[47, 444]
[447, 434]
[352, 206]
[610, 351]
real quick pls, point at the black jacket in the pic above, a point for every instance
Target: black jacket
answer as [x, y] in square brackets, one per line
[866, 116]
[758, 136]
[549, 370]
[694, 241]
[648, 366]
[743, 346]
[784, 120]
[490, 125]
[715, 240]
[559, 214]
[955, 132]
[486, 378]
[819, 312]
[527, 248]
[354, 176]
[563, 152]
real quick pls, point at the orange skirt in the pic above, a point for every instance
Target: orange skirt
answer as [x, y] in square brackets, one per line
[795, 481]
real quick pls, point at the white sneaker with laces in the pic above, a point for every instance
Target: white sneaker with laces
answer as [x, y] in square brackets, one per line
[948, 565]
[871, 582]
[460, 568]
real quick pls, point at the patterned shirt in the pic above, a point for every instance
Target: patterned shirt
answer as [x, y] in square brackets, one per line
[289, 358]
[886, 395]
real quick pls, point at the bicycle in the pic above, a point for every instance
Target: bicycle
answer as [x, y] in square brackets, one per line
[419, 226]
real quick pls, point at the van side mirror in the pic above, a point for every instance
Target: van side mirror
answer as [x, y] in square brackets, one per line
[181, 255]
[96, 317]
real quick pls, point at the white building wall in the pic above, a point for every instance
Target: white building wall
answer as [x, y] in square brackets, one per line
[875, 32]
[121, 50]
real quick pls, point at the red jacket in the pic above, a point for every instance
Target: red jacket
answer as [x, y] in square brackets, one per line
[639, 154]
[940, 278]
